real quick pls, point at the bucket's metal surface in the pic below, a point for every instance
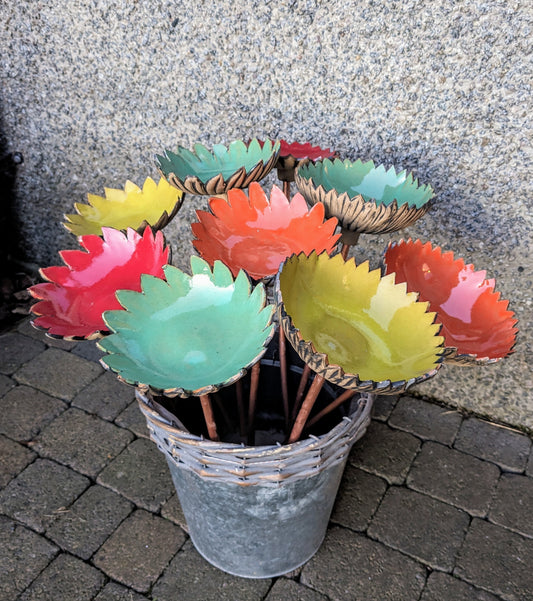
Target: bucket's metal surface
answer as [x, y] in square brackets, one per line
[257, 531]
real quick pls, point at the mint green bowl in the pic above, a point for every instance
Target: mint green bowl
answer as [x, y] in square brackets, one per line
[188, 335]
[215, 172]
[363, 197]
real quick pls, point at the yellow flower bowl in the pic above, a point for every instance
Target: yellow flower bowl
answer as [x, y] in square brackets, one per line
[354, 327]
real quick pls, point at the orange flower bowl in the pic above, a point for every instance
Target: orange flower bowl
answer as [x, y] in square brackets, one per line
[477, 326]
[256, 234]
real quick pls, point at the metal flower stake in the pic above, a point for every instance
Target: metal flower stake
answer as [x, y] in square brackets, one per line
[254, 424]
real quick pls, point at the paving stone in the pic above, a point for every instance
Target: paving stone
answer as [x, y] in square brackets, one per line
[288, 590]
[512, 505]
[139, 550]
[27, 329]
[529, 468]
[106, 397]
[383, 406]
[497, 560]
[133, 419]
[23, 555]
[140, 473]
[190, 578]
[358, 498]
[506, 447]
[6, 384]
[385, 452]
[58, 373]
[454, 477]
[83, 442]
[443, 587]
[88, 350]
[117, 592]
[13, 459]
[16, 350]
[172, 511]
[350, 566]
[422, 527]
[25, 411]
[40, 492]
[67, 578]
[89, 521]
[426, 420]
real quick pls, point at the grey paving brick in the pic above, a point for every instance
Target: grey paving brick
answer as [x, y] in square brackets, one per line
[512, 505]
[529, 468]
[443, 587]
[140, 473]
[83, 442]
[134, 420]
[172, 511]
[190, 578]
[25, 327]
[13, 459]
[40, 492]
[25, 411]
[139, 550]
[454, 477]
[350, 566]
[89, 521]
[497, 560]
[116, 592]
[106, 396]
[383, 406]
[88, 350]
[67, 579]
[288, 590]
[15, 350]
[23, 555]
[358, 498]
[427, 420]
[58, 373]
[6, 384]
[385, 452]
[422, 527]
[508, 448]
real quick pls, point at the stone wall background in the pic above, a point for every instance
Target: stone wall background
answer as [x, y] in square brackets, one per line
[92, 89]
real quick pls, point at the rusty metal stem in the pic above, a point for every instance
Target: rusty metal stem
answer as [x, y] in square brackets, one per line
[209, 417]
[240, 407]
[333, 405]
[307, 405]
[301, 389]
[287, 189]
[283, 372]
[345, 250]
[254, 385]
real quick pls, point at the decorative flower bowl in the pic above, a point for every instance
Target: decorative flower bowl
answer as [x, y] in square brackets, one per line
[190, 335]
[216, 172]
[290, 154]
[363, 197]
[155, 205]
[255, 234]
[75, 296]
[354, 327]
[477, 326]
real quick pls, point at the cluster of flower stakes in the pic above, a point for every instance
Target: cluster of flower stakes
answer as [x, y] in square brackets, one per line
[174, 334]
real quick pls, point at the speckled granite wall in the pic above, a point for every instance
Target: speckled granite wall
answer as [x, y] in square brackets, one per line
[93, 88]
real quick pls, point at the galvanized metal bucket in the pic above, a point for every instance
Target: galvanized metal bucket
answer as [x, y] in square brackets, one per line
[257, 512]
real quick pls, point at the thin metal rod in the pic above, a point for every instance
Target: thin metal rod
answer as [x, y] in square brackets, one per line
[287, 189]
[222, 410]
[283, 372]
[209, 417]
[254, 385]
[333, 405]
[345, 250]
[307, 405]
[306, 372]
[240, 407]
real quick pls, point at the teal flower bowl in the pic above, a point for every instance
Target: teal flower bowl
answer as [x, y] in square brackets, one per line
[208, 173]
[189, 335]
[363, 197]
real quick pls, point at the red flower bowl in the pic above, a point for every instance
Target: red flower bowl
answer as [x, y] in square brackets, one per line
[73, 299]
[257, 234]
[477, 326]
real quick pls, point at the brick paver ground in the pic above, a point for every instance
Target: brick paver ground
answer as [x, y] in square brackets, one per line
[434, 505]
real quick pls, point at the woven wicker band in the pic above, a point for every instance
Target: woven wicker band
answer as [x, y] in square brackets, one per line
[265, 465]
